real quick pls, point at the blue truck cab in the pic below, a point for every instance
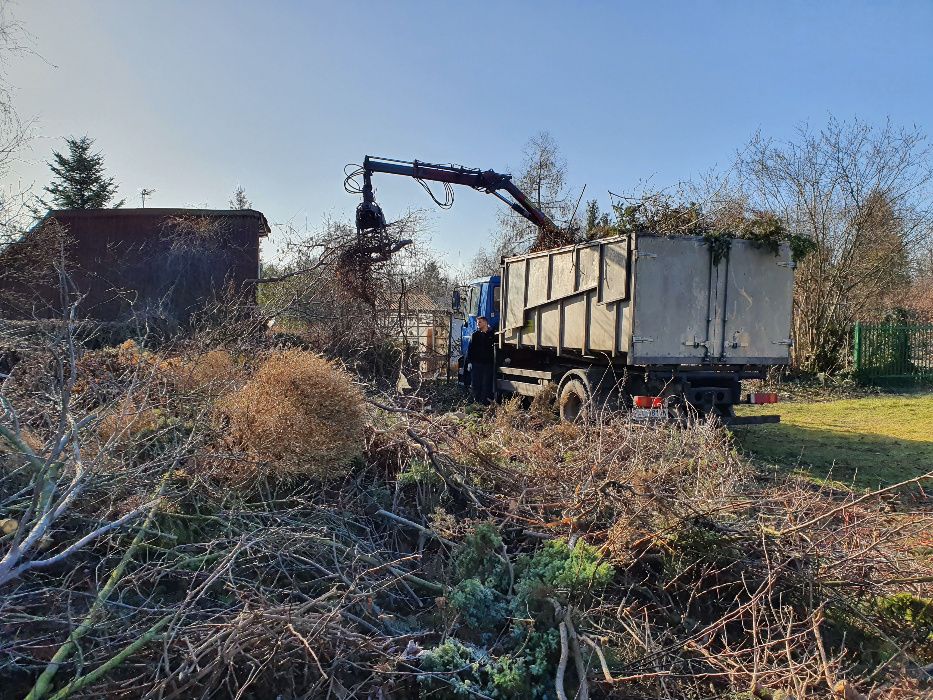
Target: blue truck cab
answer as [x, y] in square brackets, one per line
[482, 300]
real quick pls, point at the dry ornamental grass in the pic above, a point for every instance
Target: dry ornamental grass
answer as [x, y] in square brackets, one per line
[299, 414]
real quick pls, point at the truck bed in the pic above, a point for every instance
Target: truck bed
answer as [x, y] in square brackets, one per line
[651, 300]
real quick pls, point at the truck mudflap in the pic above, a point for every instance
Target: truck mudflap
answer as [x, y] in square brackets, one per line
[749, 420]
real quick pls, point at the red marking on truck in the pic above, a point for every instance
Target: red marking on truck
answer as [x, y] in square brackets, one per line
[648, 401]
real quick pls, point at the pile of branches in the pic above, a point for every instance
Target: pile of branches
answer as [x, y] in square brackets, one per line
[720, 581]
[345, 293]
[359, 261]
[484, 554]
[717, 221]
[133, 565]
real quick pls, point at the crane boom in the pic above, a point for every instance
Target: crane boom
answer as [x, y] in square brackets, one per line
[369, 215]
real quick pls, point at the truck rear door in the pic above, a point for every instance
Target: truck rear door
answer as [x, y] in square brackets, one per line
[757, 305]
[689, 311]
[671, 301]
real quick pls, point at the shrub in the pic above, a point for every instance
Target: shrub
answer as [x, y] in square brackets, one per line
[286, 339]
[454, 670]
[478, 556]
[418, 471]
[563, 572]
[297, 415]
[34, 388]
[104, 376]
[912, 618]
[213, 371]
[544, 404]
[482, 608]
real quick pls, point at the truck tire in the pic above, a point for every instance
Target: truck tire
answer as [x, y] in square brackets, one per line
[573, 401]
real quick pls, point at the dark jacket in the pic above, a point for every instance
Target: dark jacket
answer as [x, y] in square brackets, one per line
[481, 347]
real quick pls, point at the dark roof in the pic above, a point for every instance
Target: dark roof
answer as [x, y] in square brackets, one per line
[154, 212]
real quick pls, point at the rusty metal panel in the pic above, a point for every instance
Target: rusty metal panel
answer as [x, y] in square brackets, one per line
[563, 274]
[538, 281]
[574, 327]
[602, 325]
[561, 308]
[587, 267]
[550, 326]
[513, 277]
[624, 331]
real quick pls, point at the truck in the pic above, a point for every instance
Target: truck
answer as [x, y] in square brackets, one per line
[661, 326]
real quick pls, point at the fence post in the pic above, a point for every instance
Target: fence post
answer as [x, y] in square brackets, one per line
[857, 347]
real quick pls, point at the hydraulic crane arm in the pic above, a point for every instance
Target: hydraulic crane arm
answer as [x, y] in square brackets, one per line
[369, 215]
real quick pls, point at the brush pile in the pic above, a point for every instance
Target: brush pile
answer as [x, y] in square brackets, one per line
[495, 554]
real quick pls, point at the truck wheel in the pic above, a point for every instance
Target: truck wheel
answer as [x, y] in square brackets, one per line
[724, 412]
[573, 401]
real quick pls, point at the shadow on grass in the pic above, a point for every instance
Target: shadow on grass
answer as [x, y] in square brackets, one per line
[862, 460]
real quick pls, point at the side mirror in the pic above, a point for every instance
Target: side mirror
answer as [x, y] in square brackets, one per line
[455, 300]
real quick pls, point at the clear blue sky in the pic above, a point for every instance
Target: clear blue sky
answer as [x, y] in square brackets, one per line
[192, 98]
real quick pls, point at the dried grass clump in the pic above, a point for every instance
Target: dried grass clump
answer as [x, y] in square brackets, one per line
[34, 385]
[298, 414]
[544, 404]
[104, 376]
[214, 371]
[127, 423]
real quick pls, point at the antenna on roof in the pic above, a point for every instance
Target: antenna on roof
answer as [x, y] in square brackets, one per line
[143, 193]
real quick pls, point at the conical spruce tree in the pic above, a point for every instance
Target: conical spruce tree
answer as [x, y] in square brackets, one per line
[80, 181]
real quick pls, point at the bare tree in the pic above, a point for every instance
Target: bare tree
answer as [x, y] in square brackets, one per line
[60, 469]
[14, 132]
[346, 296]
[543, 177]
[862, 193]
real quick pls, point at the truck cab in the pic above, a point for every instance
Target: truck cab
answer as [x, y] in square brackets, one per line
[482, 299]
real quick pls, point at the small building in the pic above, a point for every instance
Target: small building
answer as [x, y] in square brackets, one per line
[161, 265]
[423, 326]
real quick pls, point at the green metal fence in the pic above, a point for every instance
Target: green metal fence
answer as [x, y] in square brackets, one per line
[893, 353]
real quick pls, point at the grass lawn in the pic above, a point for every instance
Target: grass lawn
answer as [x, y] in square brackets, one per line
[867, 442]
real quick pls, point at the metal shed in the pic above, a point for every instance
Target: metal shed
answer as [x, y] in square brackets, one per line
[162, 264]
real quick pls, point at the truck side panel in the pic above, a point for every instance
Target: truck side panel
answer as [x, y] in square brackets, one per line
[661, 301]
[688, 310]
[569, 298]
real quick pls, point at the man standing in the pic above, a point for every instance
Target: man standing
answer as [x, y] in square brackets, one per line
[482, 360]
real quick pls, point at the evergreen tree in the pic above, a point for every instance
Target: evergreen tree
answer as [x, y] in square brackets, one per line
[597, 223]
[80, 181]
[239, 200]
[592, 216]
